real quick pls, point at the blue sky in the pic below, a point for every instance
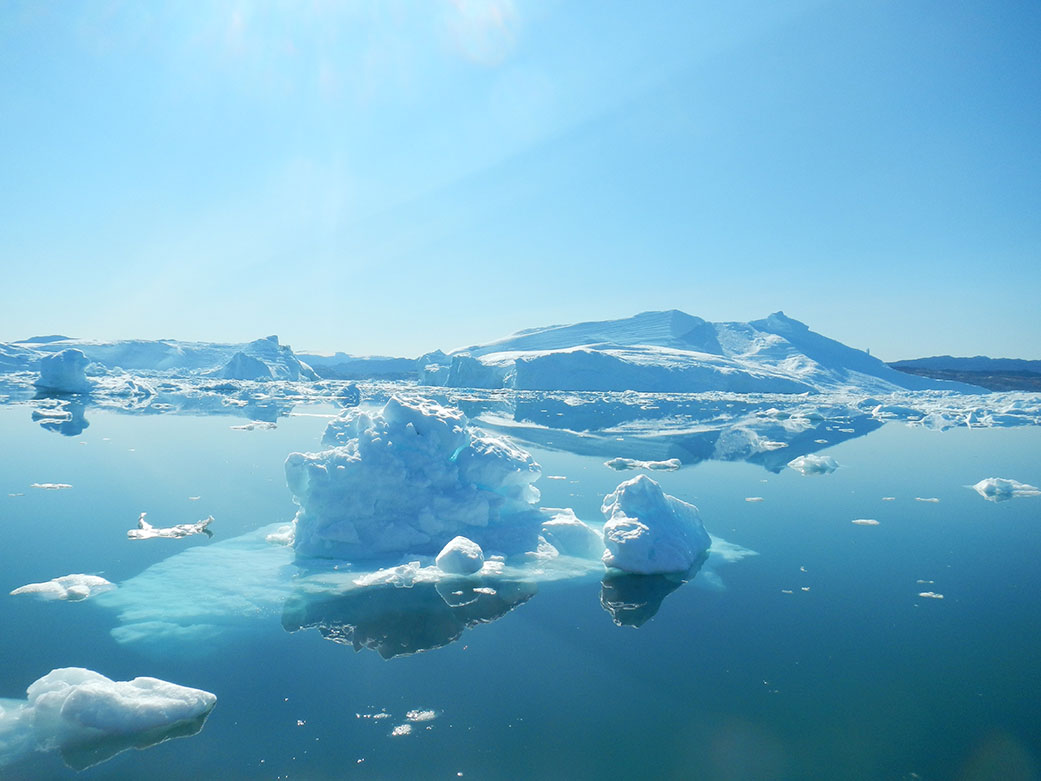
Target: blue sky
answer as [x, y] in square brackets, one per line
[393, 177]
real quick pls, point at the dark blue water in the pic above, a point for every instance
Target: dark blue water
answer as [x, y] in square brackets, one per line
[816, 658]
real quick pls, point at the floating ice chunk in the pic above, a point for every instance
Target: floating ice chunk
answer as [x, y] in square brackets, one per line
[813, 464]
[1000, 489]
[52, 486]
[632, 463]
[253, 425]
[146, 531]
[282, 536]
[64, 372]
[91, 718]
[648, 531]
[931, 595]
[417, 715]
[401, 576]
[401, 729]
[572, 537]
[753, 498]
[73, 588]
[408, 479]
[929, 499]
[461, 556]
[865, 522]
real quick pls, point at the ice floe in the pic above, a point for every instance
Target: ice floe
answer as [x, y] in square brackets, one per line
[90, 718]
[146, 531]
[812, 464]
[864, 522]
[648, 531]
[52, 486]
[73, 588]
[1000, 489]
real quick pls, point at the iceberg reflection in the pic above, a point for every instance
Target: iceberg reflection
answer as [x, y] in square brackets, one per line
[633, 600]
[400, 621]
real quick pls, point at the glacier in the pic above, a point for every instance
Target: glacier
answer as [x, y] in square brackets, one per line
[90, 718]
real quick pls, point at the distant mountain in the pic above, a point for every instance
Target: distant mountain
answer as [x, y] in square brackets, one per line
[978, 363]
[673, 351]
[999, 374]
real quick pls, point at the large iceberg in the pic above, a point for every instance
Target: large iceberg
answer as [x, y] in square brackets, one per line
[91, 718]
[648, 531]
[64, 372]
[672, 351]
[408, 479]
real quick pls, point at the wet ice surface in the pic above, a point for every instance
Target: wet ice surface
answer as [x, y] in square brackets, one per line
[541, 650]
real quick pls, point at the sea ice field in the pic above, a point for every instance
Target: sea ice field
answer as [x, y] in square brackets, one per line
[300, 578]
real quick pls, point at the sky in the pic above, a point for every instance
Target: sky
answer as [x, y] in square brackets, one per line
[388, 177]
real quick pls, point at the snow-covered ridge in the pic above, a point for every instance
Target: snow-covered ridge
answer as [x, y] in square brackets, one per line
[673, 352]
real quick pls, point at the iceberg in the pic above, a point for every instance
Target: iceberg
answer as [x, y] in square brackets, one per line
[408, 479]
[73, 588]
[1000, 489]
[672, 351]
[64, 372]
[570, 536]
[90, 718]
[650, 532]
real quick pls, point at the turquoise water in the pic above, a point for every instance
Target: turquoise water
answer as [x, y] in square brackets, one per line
[816, 658]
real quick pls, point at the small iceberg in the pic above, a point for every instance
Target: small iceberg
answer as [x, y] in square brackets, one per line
[146, 531]
[90, 718]
[64, 372]
[648, 531]
[813, 464]
[72, 588]
[669, 465]
[1000, 489]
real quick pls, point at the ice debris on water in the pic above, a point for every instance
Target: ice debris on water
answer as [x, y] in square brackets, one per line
[73, 588]
[865, 522]
[146, 531]
[648, 531]
[931, 595]
[90, 718]
[52, 486]
[813, 464]
[1000, 489]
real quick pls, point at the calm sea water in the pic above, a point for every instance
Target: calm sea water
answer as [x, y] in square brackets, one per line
[816, 658]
